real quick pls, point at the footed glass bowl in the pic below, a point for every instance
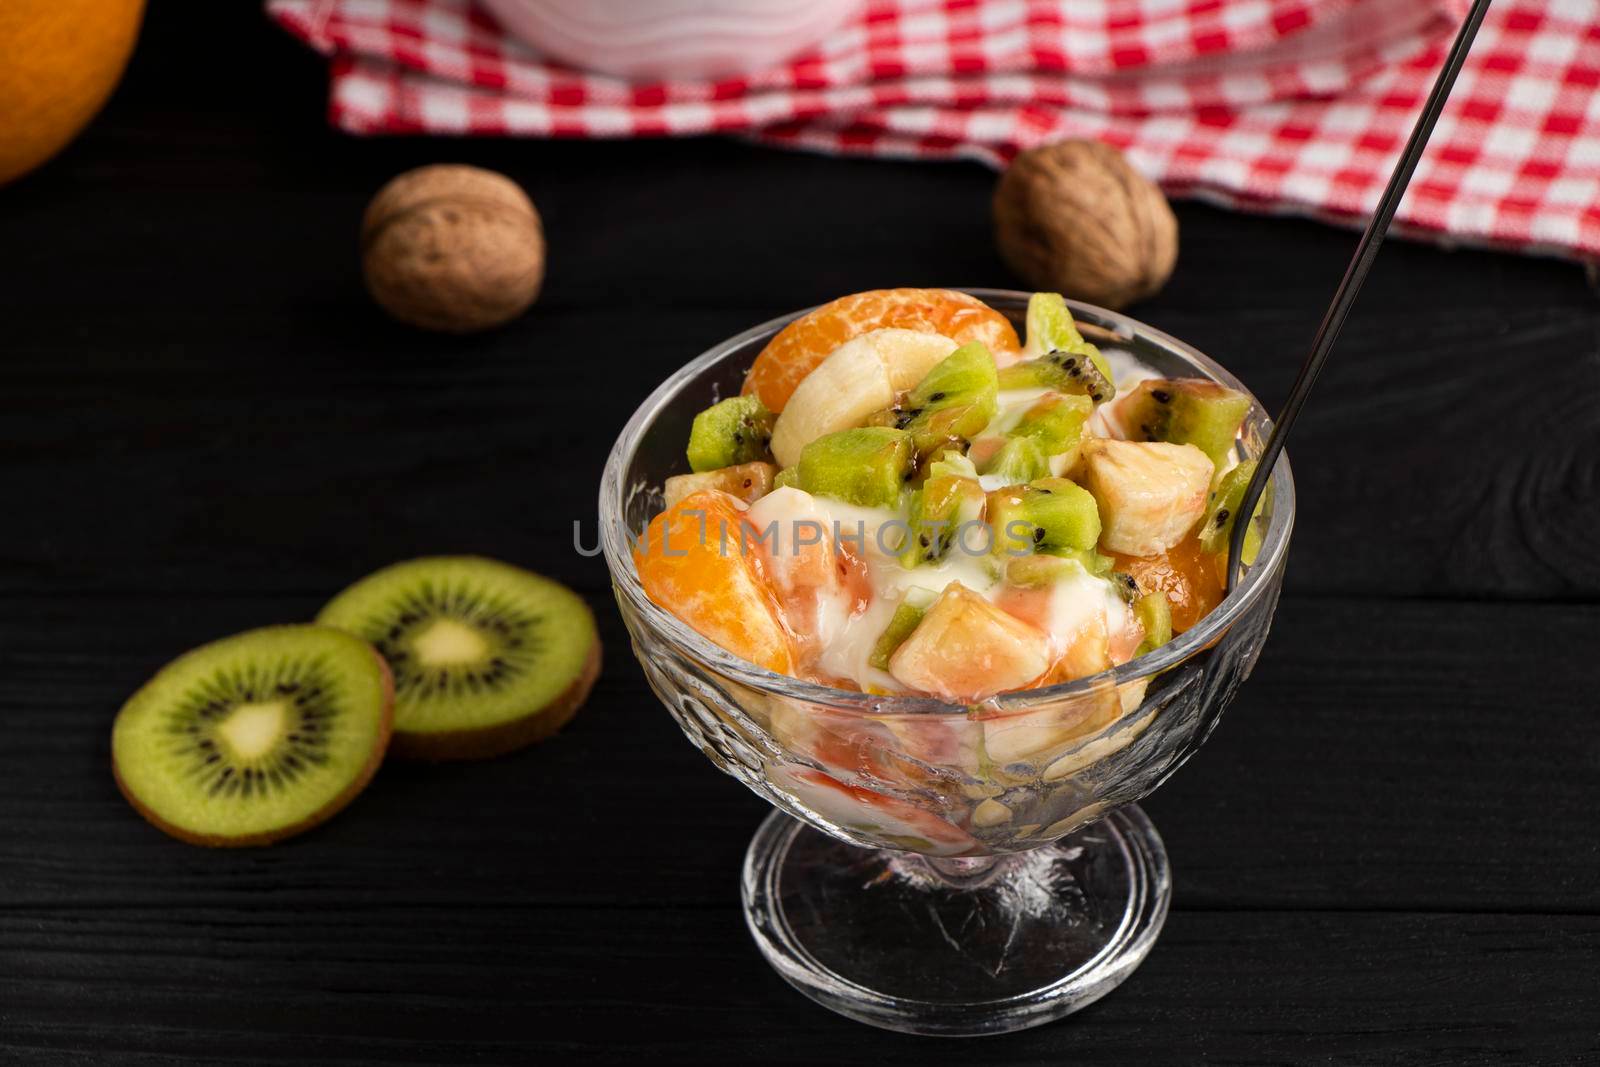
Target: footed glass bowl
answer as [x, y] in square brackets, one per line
[939, 868]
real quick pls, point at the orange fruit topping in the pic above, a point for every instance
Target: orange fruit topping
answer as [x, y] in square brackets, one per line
[61, 60]
[699, 560]
[810, 339]
[1186, 573]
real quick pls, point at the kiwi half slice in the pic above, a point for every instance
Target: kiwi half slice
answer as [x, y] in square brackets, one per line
[486, 657]
[255, 737]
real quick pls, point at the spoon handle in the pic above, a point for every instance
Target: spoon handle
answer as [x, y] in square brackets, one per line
[1345, 296]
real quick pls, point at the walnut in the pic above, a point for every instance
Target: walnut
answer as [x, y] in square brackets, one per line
[452, 248]
[1074, 217]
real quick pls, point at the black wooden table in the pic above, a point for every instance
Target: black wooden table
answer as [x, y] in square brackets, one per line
[1387, 853]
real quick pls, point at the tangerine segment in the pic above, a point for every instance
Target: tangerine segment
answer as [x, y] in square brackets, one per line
[1186, 573]
[810, 339]
[699, 561]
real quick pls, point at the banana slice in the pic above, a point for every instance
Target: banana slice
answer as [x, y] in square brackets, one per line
[845, 388]
[966, 649]
[747, 481]
[1149, 494]
[860, 377]
[910, 354]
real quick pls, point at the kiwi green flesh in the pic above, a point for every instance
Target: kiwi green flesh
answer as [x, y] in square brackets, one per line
[1051, 328]
[254, 737]
[1054, 422]
[1041, 571]
[474, 644]
[737, 430]
[1049, 515]
[475, 744]
[1216, 529]
[1019, 460]
[964, 376]
[1190, 411]
[1154, 612]
[906, 618]
[1065, 372]
[867, 466]
[938, 512]
[953, 402]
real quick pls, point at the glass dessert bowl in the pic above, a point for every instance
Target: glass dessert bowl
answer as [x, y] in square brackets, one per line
[945, 865]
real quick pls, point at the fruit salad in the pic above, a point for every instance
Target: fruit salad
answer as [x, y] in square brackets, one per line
[907, 499]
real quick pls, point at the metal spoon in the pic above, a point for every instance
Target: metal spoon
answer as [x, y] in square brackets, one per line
[1345, 296]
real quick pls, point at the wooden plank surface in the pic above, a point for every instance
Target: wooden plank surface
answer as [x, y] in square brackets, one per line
[570, 984]
[1385, 853]
[1391, 755]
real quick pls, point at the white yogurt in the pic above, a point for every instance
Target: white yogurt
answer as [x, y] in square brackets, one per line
[843, 633]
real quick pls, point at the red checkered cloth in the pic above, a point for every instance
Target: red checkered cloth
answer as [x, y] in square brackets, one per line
[1286, 106]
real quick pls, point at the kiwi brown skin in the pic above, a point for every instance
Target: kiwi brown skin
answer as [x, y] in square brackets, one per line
[443, 746]
[316, 818]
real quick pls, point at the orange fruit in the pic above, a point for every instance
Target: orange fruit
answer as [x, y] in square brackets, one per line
[810, 339]
[699, 560]
[61, 60]
[1186, 573]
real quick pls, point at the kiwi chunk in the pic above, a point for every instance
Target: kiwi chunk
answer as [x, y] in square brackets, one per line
[788, 478]
[1017, 461]
[1186, 411]
[953, 402]
[1055, 422]
[1051, 516]
[906, 618]
[1034, 572]
[1050, 325]
[1154, 613]
[255, 737]
[738, 430]
[1065, 372]
[948, 499]
[1051, 328]
[1216, 529]
[486, 657]
[868, 465]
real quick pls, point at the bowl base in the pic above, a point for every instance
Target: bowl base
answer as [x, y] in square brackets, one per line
[957, 947]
